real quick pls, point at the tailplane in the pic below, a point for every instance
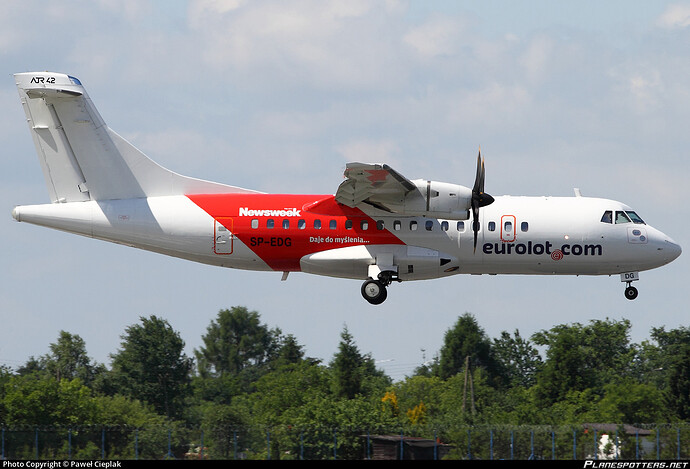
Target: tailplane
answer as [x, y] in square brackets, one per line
[81, 158]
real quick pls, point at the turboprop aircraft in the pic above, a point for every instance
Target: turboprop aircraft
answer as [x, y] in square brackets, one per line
[379, 226]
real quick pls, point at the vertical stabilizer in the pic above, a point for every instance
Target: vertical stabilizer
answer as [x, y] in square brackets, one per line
[81, 158]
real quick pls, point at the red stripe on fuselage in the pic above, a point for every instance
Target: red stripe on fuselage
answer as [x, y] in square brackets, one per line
[282, 247]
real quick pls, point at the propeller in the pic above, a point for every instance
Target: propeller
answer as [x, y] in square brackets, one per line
[479, 197]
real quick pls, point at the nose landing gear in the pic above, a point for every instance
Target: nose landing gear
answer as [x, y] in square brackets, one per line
[629, 278]
[630, 292]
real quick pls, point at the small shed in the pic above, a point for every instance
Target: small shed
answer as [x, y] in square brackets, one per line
[413, 448]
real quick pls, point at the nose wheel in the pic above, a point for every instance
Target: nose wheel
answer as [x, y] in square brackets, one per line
[629, 278]
[630, 292]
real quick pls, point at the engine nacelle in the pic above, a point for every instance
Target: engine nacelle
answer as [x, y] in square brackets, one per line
[437, 200]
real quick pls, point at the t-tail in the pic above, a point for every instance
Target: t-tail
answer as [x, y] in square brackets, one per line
[82, 158]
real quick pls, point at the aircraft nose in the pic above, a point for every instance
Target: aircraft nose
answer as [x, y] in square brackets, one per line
[667, 248]
[672, 248]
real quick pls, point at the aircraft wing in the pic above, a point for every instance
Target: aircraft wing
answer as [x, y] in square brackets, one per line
[374, 184]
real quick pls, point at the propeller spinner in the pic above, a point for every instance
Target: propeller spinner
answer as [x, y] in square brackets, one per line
[479, 197]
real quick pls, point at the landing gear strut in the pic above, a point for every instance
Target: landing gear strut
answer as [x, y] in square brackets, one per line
[629, 278]
[374, 290]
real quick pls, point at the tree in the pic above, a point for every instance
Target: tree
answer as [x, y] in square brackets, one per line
[5, 376]
[32, 366]
[679, 384]
[467, 339]
[581, 357]
[68, 359]
[43, 400]
[626, 401]
[152, 367]
[235, 341]
[519, 360]
[350, 368]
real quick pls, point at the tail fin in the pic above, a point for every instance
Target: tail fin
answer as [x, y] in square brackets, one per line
[81, 158]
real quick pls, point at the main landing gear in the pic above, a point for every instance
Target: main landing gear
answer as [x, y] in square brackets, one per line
[629, 278]
[374, 290]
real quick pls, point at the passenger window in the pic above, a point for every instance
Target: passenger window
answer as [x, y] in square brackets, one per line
[396, 225]
[524, 226]
[413, 226]
[286, 224]
[333, 224]
[380, 225]
[348, 224]
[301, 224]
[255, 223]
[621, 217]
[364, 225]
[492, 226]
[607, 217]
[461, 226]
[444, 225]
[317, 224]
[508, 227]
[429, 225]
[270, 223]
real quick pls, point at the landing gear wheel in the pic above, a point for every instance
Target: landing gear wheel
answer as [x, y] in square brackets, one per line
[374, 292]
[631, 293]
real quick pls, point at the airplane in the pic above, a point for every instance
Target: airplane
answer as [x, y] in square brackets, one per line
[379, 226]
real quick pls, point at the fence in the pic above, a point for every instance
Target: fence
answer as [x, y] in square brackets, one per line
[590, 441]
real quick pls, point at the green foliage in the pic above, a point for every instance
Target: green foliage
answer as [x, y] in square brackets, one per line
[351, 370]
[255, 395]
[679, 383]
[626, 401]
[519, 360]
[466, 339]
[580, 357]
[235, 341]
[68, 359]
[42, 400]
[152, 367]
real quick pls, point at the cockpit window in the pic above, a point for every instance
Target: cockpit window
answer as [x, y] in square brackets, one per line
[635, 218]
[608, 217]
[621, 217]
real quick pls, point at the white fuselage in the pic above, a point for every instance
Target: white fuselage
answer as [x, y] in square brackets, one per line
[518, 235]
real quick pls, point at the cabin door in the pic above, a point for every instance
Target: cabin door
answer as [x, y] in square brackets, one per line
[222, 235]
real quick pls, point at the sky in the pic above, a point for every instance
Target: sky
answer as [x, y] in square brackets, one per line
[278, 96]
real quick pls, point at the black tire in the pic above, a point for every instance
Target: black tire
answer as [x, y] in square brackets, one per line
[631, 293]
[374, 292]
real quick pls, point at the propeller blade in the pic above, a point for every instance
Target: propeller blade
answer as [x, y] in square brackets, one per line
[478, 179]
[479, 197]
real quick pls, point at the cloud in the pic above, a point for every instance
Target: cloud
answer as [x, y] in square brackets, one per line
[369, 151]
[440, 36]
[324, 43]
[675, 16]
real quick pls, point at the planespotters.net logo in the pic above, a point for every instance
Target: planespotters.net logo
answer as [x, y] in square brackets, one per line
[635, 464]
